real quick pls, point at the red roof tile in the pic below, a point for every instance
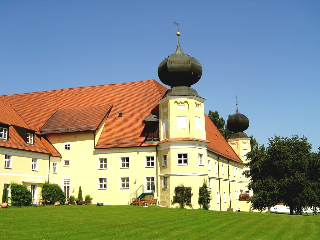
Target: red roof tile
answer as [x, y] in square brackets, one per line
[9, 116]
[217, 143]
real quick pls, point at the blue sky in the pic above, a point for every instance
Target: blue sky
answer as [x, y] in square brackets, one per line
[265, 52]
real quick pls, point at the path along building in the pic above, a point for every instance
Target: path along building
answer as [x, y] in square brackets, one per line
[122, 141]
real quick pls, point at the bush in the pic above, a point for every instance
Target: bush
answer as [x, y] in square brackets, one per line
[4, 194]
[52, 193]
[80, 198]
[244, 197]
[88, 198]
[204, 196]
[182, 196]
[20, 195]
[72, 199]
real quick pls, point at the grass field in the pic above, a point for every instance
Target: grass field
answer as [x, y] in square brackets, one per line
[130, 222]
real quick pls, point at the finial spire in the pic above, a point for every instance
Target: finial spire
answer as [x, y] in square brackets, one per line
[237, 102]
[178, 50]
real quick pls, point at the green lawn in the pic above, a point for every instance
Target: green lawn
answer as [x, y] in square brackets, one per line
[130, 222]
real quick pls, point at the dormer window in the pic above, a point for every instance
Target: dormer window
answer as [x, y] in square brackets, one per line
[3, 133]
[30, 137]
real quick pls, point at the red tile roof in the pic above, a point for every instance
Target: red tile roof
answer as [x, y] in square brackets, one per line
[85, 107]
[217, 143]
[10, 117]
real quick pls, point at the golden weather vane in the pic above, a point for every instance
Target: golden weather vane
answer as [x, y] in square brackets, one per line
[178, 26]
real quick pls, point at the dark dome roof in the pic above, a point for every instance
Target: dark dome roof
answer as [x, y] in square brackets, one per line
[179, 69]
[237, 122]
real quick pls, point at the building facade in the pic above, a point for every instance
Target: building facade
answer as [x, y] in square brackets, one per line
[123, 141]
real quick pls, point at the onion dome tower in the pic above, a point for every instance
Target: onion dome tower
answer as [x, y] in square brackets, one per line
[237, 124]
[180, 71]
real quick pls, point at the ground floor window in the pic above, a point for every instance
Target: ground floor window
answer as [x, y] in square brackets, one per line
[164, 182]
[7, 186]
[54, 168]
[102, 183]
[124, 183]
[33, 190]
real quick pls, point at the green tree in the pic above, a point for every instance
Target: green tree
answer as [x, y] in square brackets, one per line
[220, 123]
[182, 196]
[204, 196]
[282, 173]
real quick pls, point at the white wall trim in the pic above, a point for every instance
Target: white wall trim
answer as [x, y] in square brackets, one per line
[125, 150]
[23, 175]
[23, 153]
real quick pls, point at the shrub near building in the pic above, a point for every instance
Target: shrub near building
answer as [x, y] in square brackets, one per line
[20, 195]
[52, 193]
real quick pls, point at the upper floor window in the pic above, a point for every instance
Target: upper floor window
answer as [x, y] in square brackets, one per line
[3, 133]
[164, 160]
[198, 123]
[55, 168]
[209, 165]
[34, 164]
[124, 162]
[149, 161]
[222, 167]
[200, 159]
[181, 122]
[182, 159]
[124, 183]
[7, 161]
[102, 163]
[216, 167]
[66, 163]
[102, 183]
[165, 124]
[30, 138]
[67, 146]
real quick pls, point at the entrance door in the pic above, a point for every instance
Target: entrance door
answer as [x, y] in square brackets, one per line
[149, 184]
[33, 188]
[66, 187]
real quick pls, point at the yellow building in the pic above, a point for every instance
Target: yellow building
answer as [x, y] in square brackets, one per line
[120, 142]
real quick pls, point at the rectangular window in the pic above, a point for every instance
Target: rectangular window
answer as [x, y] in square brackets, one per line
[210, 184]
[230, 196]
[67, 146]
[66, 163]
[3, 133]
[245, 151]
[34, 164]
[181, 122]
[222, 169]
[54, 168]
[66, 187]
[102, 164]
[164, 182]
[124, 183]
[198, 123]
[218, 198]
[216, 167]
[200, 159]
[182, 159]
[164, 160]
[7, 186]
[150, 183]
[30, 138]
[209, 165]
[124, 162]
[165, 125]
[150, 161]
[102, 183]
[234, 172]
[240, 173]
[8, 161]
[224, 197]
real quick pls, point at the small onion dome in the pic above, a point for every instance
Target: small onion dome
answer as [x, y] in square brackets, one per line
[179, 69]
[237, 122]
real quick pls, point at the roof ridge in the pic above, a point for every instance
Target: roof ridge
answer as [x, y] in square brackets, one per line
[156, 83]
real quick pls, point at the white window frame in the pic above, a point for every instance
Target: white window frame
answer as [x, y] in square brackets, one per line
[209, 165]
[164, 182]
[7, 161]
[224, 197]
[148, 183]
[67, 146]
[149, 161]
[164, 160]
[216, 166]
[102, 163]
[124, 184]
[240, 175]
[124, 162]
[198, 123]
[54, 167]
[66, 185]
[222, 167]
[184, 160]
[181, 122]
[234, 171]
[102, 183]
[64, 162]
[200, 159]
[34, 164]
[30, 138]
[218, 197]
[165, 125]
[3, 133]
